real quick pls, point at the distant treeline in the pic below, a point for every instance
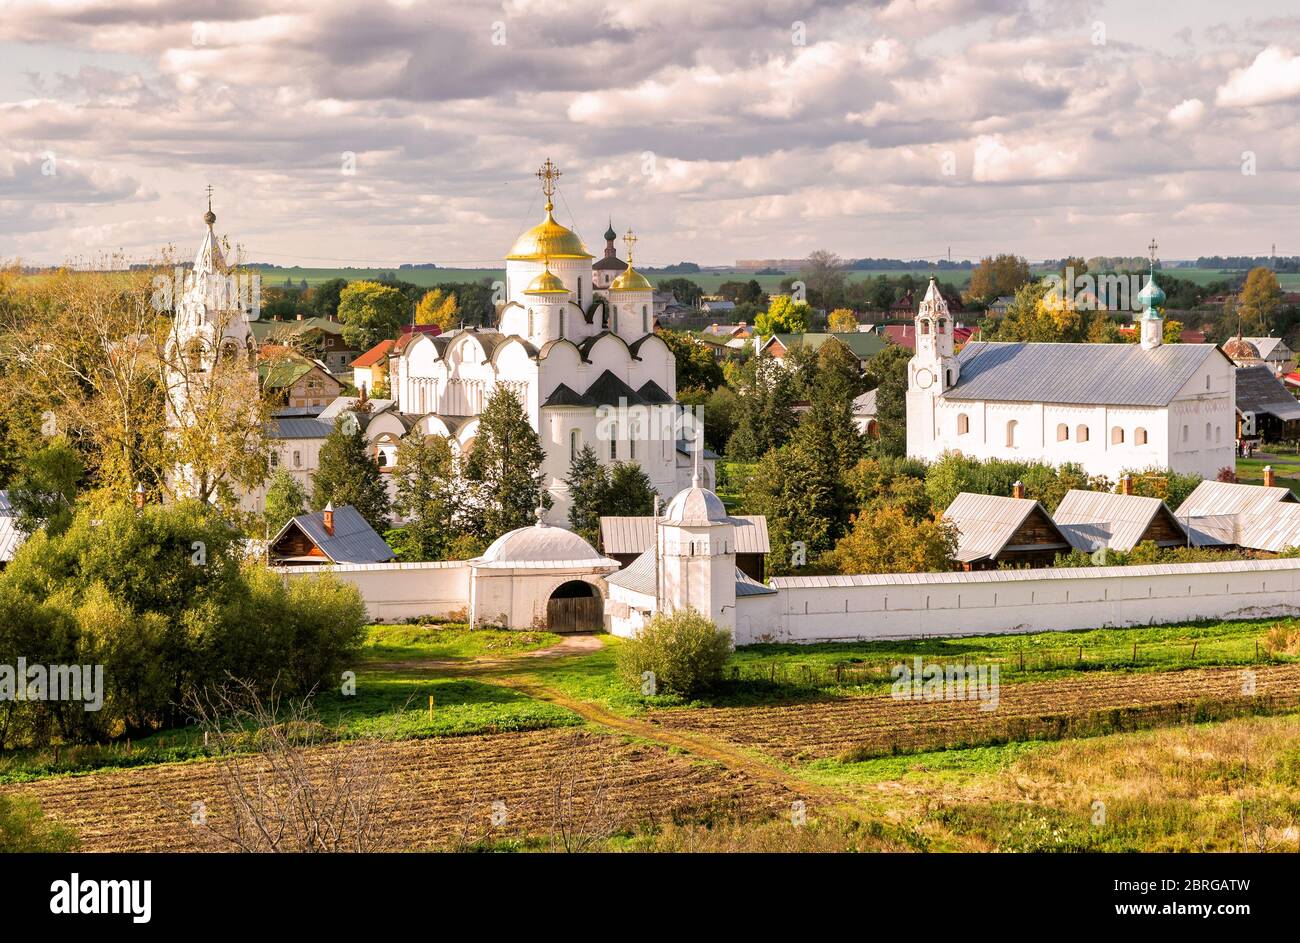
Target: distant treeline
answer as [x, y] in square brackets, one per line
[874, 265]
[1288, 263]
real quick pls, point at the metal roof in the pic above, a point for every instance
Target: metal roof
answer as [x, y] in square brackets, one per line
[1045, 573]
[1211, 498]
[353, 540]
[1268, 345]
[11, 538]
[746, 585]
[1089, 374]
[637, 534]
[985, 522]
[1260, 391]
[1094, 519]
[638, 576]
[296, 427]
[865, 405]
[1274, 530]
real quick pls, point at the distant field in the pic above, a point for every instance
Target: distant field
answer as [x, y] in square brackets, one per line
[709, 281]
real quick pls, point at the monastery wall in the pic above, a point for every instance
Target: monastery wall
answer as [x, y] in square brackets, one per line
[396, 591]
[855, 608]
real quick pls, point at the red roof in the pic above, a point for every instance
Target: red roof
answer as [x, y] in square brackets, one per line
[374, 355]
[904, 335]
[1292, 379]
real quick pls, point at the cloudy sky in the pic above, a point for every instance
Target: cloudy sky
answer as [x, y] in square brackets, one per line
[718, 130]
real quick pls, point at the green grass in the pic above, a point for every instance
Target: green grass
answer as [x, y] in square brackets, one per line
[938, 766]
[1250, 471]
[449, 642]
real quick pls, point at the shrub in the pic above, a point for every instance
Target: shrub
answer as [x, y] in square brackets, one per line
[685, 651]
[24, 828]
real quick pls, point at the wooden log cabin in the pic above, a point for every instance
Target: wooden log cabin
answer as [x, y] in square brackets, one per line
[993, 530]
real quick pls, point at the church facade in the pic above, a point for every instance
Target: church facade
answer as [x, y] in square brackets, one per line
[576, 344]
[1107, 407]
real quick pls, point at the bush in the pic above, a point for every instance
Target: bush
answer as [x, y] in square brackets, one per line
[24, 828]
[685, 651]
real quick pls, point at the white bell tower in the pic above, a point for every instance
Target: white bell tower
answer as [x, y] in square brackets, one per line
[697, 550]
[932, 370]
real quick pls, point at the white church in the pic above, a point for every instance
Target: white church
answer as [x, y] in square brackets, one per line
[1107, 407]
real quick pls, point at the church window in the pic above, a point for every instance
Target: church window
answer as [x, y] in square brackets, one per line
[562, 321]
[1011, 433]
[1139, 436]
[1081, 434]
[1184, 433]
[632, 433]
[1062, 432]
[1207, 432]
[275, 459]
[1218, 434]
[573, 445]
[614, 322]
[1117, 436]
[963, 424]
[925, 325]
[579, 291]
[297, 459]
[530, 322]
[613, 446]
[645, 319]
[942, 325]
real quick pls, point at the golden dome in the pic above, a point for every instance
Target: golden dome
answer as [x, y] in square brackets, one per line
[548, 240]
[631, 280]
[547, 283]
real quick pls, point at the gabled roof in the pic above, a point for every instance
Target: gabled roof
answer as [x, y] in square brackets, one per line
[1274, 530]
[342, 404]
[1211, 498]
[1268, 346]
[562, 395]
[353, 540]
[609, 390]
[374, 355]
[624, 535]
[284, 373]
[1091, 520]
[865, 404]
[1091, 374]
[863, 344]
[263, 329]
[986, 523]
[1260, 391]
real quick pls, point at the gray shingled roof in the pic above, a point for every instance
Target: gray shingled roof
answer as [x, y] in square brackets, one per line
[353, 540]
[1100, 374]
[1260, 391]
[295, 427]
[986, 522]
[623, 535]
[1091, 520]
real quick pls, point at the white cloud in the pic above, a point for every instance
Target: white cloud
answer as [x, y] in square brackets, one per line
[1273, 77]
[1186, 113]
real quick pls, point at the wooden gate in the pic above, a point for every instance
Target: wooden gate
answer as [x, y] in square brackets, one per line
[575, 614]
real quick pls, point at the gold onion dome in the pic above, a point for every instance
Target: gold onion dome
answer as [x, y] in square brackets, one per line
[548, 240]
[631, 280]
[547, 283]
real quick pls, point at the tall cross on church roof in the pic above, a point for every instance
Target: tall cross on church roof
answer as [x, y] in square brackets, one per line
[629, 240]
[1152, 248]
[548, 174]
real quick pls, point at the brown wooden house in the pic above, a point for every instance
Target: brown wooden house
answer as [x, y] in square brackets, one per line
[994, 530]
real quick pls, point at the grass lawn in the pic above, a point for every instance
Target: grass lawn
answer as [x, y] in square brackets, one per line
[448, 642]
[1250, 471]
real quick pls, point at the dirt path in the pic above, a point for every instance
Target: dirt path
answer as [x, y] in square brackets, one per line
[719, 751]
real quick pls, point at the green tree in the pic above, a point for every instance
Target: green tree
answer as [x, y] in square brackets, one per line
[348, 475]
[1261, 297]
[765, 417]
[371, 313]
[507, 459]
[285, 499]
[802, 498]
[630, 492]
[45, 487]
[887, 373]
[324, 297]
[427, 496]
[684, 290]
[437, 307]
[784, 315]
[587, 483]
[995, 277]
[886, 540]
[696, 368]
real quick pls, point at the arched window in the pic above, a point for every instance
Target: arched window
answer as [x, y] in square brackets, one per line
[1116, 436]
[1184, 433]
[645, 319]
[562, 321]
[1011, 433]
[1207, 381]
[873, 429]
[925, 325]
[1139, 436]
[943, 325]
[1062, 432]
[530, 322]
[632, 432]
[1081, 434]
[275, 459]
[574, 443]
[613, 447]
[963, 424]
[579, 293]
[1218, 434]
[1207, 432]
[613, 321]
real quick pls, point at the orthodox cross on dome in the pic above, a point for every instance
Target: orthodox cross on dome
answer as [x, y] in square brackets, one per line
[548, 174]
[630, 240]
[1152, 249]
[209, 217]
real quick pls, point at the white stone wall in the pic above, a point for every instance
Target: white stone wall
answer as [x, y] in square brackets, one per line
[396, 591]
[912, 605]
